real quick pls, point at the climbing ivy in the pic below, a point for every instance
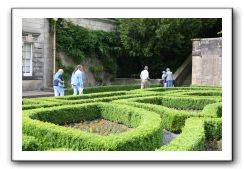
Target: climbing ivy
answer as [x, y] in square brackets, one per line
[68, 70]
[79, 43]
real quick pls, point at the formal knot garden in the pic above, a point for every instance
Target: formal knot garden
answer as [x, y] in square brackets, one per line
[125, 118]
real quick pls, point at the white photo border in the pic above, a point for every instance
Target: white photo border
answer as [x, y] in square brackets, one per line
[227, 138]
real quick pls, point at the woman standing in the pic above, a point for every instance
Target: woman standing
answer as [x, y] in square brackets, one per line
[77, 80]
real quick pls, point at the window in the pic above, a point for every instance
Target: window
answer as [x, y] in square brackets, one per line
[27, 59]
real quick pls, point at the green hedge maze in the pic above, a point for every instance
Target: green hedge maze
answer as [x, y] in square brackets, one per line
[152, 119]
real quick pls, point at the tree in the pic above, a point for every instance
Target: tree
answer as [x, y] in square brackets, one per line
[161, 42]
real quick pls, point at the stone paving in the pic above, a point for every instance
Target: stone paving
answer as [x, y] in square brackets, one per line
[168, 137]
[36, 93]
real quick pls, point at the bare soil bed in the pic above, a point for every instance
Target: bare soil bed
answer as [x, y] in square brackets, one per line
[213, 145]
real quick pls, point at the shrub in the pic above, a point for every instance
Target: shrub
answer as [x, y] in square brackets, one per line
[191, 139]
[213, 128]
[148, 111]
[172, 119]
[29, 143]
[213, 110]
[181, 103]
[97, 89]
[58, 101]
[60, 149]
[41, 123]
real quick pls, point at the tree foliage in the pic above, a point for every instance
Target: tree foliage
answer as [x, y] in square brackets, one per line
[156, 42]
[160, 42]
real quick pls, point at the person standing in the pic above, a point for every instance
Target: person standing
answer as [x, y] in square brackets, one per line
[58, 83]
[77, 80]
[144, 78]
[164, 79]
[169, 78]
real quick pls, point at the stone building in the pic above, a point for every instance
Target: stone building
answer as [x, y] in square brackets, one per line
[104, 24]
[37, 49]
[36, 54]
[207, 61]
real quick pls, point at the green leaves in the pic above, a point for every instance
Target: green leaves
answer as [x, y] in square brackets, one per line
[79, 43]
[195, 112]
[40, 123]
[161, 42]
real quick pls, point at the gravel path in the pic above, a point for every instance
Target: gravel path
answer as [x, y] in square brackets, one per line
[168, 137]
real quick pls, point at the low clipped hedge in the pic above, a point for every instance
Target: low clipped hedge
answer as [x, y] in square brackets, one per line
[203, 93]
[30, 143]
[195, 88]
[42, 124]
[174, 109]
[110, 88]
[213, 128]
[173, 119]
[52, 102]
[83, 96]
[192, 137]
[213, 110]
[60, 149]
[180, 103]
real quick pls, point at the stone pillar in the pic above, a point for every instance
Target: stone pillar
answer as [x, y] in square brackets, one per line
[207, 61]
[196, 62]
[47, 76]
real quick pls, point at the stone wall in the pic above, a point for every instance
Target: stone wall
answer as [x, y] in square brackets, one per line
[86, 63]
[95, 23]
[126, 81]
[36, 32]
[207, 61]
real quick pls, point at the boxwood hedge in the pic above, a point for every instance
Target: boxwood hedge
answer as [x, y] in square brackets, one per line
[192, 137]
[30, 143]
[194, 112]
[110, 88]
[43, 125]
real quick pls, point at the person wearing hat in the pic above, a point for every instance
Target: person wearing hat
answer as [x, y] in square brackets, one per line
[164, 79]
[58, 83]
[144, 78]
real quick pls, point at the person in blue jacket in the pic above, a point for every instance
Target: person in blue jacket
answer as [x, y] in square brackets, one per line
[77, 80]
[58, 83]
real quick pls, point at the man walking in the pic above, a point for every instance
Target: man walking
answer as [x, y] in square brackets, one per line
[144, 78]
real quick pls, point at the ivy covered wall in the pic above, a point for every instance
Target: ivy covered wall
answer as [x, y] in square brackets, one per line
[79, 44]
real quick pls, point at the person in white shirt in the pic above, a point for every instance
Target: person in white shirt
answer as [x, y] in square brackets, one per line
[144, 78]
[77, 80]
[169, 78]
[164, 79]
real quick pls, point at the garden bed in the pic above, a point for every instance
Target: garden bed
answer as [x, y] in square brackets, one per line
[166, 119]
[99, 126]
[213, 145]
[44, 125]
